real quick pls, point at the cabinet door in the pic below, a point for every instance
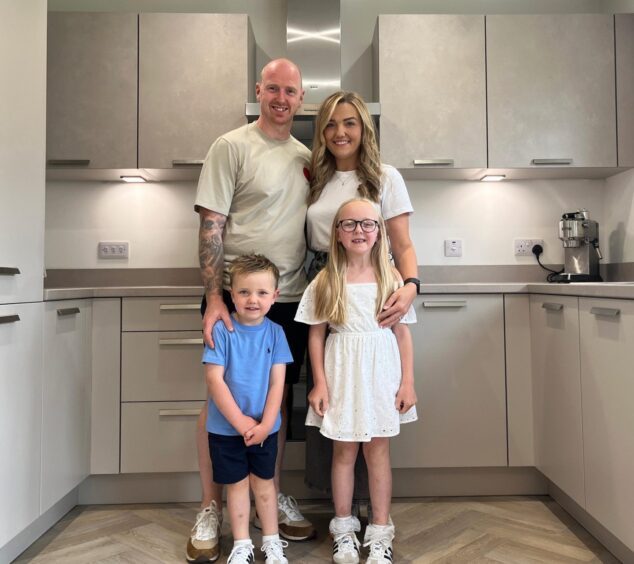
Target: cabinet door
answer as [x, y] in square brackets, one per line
[22, 149]
[66, 391]
[624, 41]
[194, 74]
[20, 416]
[607, 380]
[460, 384]
[550, 89]
[92, 90]
[432, 90]
[557, 392]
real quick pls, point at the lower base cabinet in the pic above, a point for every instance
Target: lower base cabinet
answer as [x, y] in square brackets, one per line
[20, 416]
[460, 384]
[607, 381]
[557, 392]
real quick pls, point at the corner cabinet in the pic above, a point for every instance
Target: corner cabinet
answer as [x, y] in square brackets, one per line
[624, 41]
[91, 104]
[460, 384]
[551, 90]
[432, 90]
[557, 392]
[66, 393]
[607, 379]
[195, 73]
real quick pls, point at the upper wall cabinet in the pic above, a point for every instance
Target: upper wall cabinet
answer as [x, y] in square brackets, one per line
[194, 72]
[92, 90]
[551, 90]
[431, 86]
[624, 31]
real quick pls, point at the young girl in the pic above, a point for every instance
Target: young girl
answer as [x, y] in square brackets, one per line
[363, 373]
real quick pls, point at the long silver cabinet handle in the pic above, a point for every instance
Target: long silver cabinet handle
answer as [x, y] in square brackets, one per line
[9, 271]
[187, 162]
[433, 162]
[176, 342]
[68, 162]
[178, 307]
[452, 303]
[551, 306]
[9, 318]
[551, 161]
[179, 412]
[605, 311]
[68, 311]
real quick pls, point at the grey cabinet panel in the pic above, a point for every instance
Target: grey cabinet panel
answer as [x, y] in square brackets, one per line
[431, 72]
[551, 92]
[194, 82]
[92, 89]
[624, 32]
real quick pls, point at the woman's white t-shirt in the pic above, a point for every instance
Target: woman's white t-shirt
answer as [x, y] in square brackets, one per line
[343, 187]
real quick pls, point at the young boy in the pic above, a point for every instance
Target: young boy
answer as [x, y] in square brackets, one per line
[245, 378]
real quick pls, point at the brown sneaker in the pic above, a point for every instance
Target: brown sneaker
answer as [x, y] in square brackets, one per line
[292, 525]
[204, 543]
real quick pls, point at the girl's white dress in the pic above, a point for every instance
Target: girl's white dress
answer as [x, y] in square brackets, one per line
[363, 370]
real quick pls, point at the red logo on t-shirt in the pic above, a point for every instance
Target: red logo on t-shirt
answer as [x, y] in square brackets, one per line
[307, 174]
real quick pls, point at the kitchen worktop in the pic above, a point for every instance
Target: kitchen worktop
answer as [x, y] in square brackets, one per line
[624, 290]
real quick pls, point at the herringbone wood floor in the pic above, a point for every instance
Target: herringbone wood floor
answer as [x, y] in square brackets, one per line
[462, 530]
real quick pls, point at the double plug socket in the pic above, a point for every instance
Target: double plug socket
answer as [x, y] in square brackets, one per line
[524, 247]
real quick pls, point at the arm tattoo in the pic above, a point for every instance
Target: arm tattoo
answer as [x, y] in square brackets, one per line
[211, 250]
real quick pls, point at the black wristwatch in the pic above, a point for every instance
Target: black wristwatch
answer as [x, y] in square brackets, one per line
[414, 281]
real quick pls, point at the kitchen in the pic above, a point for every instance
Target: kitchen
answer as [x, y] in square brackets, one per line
[61, 234]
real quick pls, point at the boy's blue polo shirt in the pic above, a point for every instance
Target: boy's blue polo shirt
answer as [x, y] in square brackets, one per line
[247, 353]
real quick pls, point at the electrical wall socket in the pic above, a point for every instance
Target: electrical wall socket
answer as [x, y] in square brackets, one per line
[453, 247]
[113, 250]
[524, 247]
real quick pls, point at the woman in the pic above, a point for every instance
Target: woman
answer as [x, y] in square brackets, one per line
[346, 164]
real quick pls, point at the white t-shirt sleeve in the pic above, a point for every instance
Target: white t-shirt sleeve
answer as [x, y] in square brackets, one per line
[394, 197]
[217, 182]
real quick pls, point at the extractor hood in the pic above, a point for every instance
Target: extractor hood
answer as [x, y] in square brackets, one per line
[313, 41]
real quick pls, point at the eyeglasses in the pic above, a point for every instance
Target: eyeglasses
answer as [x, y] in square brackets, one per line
[367, 225]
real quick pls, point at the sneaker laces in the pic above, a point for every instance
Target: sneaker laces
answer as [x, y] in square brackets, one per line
[206, 526]
[346, 542]
[288, 504]
[275, 548]
[241, 553]
[378, 546]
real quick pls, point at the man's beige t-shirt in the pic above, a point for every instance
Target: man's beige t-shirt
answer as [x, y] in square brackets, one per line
[260, 185]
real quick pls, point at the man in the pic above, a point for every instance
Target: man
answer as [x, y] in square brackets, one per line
[252, 199]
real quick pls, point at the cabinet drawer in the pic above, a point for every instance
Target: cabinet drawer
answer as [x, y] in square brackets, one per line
[162, 366]
[159, 436]
[161, 314]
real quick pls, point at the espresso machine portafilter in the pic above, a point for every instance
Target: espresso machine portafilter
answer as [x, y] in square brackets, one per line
[580, 237]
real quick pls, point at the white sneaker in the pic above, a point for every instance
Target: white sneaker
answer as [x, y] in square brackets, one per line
[379, 539]
[274, 551]
[345, 544]
[241, 554]
[203, 544]
[292, 524]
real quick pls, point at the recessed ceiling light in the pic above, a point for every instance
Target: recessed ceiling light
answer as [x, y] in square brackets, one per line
[133, 179]
[492, 177]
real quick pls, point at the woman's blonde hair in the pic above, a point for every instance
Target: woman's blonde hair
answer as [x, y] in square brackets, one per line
[323, 164]
[330, 283]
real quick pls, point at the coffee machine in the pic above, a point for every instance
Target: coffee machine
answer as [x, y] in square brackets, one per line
[580, 237]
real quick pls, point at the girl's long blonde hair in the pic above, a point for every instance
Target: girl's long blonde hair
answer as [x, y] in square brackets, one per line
[330, 283]
[323, 164]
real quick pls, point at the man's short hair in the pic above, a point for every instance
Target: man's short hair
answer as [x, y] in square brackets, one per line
[250, 264]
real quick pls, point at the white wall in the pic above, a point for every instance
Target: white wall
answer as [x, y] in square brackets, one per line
[618, 229]
[159, 222]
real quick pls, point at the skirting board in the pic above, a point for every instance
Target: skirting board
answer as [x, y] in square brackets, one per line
[427, 482]
[35, 530]
[605, 537]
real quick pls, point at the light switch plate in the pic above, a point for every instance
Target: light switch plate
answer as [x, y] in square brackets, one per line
[453, 247]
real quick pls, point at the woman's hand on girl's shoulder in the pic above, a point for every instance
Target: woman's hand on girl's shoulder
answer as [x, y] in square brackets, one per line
[397, 305]
[405, 398]
[318, 399]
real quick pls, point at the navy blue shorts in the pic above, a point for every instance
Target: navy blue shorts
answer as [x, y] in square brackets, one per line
[232, 461]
